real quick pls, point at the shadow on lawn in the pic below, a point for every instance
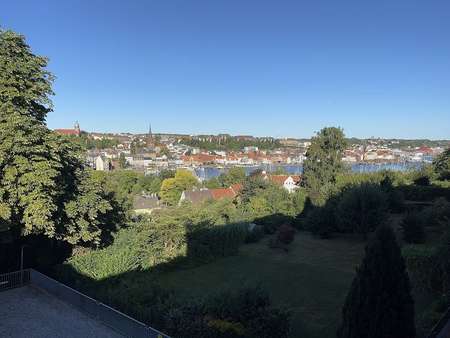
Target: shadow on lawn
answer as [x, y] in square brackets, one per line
[137, 293]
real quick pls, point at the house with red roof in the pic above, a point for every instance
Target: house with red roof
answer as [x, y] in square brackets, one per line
[288, 182]
[202, 195]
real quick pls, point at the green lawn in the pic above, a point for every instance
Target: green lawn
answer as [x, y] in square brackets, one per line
[311, 279]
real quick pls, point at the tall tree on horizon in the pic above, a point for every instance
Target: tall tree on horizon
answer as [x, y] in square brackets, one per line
[379, 303]
[323, 163]
[441, 165]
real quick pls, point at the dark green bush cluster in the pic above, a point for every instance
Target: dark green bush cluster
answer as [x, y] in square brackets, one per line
[429, 267]
[286, 234]
[361, 209]
[215, 241]
[255, 234]
[379, 303]
[435, 215]
[244, 313]
[429, 270]
[422, 267]
[320, 220]
[271, 223]
[357, 209]
[423, 193]
[413, 228]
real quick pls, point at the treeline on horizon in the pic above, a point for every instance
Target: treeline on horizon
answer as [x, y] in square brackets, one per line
[236, 143]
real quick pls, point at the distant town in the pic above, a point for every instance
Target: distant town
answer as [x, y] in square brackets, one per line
[151, 152]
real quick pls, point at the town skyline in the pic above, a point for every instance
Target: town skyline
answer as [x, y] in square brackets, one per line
[164, 132]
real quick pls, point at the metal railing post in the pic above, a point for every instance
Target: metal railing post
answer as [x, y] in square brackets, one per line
[21, 261]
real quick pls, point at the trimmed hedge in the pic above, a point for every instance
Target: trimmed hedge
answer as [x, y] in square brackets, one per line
[423, 193]
[423, 268]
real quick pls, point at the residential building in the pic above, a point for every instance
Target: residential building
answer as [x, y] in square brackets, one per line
[102, 163]
[145, 204]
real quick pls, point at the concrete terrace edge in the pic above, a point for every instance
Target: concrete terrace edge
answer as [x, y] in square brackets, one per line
[105, 314]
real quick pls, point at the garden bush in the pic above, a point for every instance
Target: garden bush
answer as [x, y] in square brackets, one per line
[423, 267]
[423, 181]
[396, 201]
[215, 241]
[254, 234]
[320, 221]
[271, 223]
[286, 234]
[423, 193]
[361, 208]
[413, 228]
[247, 312]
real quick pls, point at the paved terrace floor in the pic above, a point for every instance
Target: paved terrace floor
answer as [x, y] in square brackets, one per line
[30, 312]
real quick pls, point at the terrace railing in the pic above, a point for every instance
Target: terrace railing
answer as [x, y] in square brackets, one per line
[116, 320]
[442, 328]
[14, 279]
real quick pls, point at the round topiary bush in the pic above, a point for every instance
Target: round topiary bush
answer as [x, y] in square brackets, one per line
[286, 234]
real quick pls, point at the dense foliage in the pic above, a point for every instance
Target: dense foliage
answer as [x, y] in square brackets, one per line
[171, 188]
[379, 303]
[231, 143]
[441, 165]
[413, 228]
[323, 163]
[44, 188]
[247, 312]
[361, 208]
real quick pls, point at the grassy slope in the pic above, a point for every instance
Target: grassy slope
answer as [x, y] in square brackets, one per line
[312, 279]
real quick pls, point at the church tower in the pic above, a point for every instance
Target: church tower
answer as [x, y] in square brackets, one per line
[150, 140]
[77, 129]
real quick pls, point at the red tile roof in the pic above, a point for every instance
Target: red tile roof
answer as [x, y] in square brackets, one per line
[280, 179]
[237, 187]
[200, 158]
[220, 193]
[74, 132]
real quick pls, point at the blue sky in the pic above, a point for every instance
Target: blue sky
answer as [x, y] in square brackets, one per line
[279, 68]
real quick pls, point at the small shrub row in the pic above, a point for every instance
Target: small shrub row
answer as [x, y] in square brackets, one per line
[255, 233]
[244, 313]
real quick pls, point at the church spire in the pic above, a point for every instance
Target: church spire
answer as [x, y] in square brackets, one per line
[150, 136]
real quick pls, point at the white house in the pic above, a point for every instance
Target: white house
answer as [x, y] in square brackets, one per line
[102, 164]
[288, 182]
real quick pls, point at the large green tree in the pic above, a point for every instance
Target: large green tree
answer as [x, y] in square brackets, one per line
[379, 303]
[441, 165]
[171, 188]
[233, 176]
[42, 178]
[323, 162]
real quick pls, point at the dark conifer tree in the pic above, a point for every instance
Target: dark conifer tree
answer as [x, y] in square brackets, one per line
[379, 303]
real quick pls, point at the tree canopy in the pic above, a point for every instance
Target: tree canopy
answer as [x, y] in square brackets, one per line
[42, 177]
[441, 165]
[324, 161]
[171, 188]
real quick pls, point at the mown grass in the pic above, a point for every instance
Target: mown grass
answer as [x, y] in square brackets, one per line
[312, 279]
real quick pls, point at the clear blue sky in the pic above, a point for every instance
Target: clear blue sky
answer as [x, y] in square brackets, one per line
[280, 68]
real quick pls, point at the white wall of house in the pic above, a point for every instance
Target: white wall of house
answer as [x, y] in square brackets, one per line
[290, 185]
[101, 164]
